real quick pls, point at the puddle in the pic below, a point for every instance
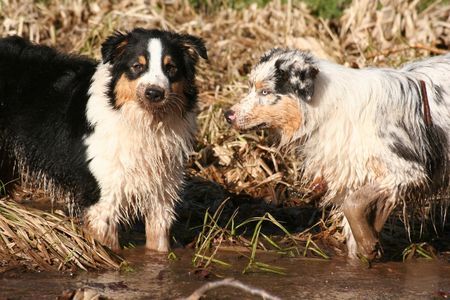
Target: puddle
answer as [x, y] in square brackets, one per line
[155, 277]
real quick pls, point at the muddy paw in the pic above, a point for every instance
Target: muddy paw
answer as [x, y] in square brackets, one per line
[371, 251]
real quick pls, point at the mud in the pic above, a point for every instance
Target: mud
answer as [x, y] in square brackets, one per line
[156, 277]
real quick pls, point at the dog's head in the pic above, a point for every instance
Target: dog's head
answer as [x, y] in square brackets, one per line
[278, 84]
[153, 68]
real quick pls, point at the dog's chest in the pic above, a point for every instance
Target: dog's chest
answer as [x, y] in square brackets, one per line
[136, 157]
[138, 164]
[129, 159]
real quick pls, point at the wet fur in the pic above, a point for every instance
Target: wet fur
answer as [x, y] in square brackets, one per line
[362, 132]
[84, 130]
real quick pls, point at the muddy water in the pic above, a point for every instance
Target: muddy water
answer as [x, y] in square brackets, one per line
[155, 277]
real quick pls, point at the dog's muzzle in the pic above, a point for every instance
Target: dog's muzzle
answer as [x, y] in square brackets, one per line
[154, 94]
[230, 116]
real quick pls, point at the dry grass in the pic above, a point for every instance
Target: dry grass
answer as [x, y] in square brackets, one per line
[41, 240]
[380, 33]
[368, 33]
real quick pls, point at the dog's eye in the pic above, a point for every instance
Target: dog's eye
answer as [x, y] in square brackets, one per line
[265, 92]
[137, 67]
[171, 70]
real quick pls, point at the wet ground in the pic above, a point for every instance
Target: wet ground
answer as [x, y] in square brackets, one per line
[156, 277]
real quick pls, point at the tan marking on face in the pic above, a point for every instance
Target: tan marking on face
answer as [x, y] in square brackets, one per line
[125, 90]
[142, 60]
[178, 89]
[167, 60]
[259, 85]
[284, 115]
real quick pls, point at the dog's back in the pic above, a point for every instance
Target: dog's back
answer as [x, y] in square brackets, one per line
[435, 73]
[436, 67]
[31, 73]
[435, 70]
[42, 104]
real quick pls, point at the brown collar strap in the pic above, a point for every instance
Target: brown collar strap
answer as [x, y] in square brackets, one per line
[426, 106]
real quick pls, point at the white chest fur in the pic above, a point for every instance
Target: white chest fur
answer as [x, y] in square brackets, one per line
[137, 161]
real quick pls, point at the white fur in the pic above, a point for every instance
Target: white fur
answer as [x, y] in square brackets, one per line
[155, 74]
[343, 122]
[137, 160]
[362, 129]
[352, 247]
[343, 128]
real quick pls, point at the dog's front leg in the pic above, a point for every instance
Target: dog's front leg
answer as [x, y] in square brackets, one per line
[157, 229]
[101, 221]
[383, 210]
[360, 210]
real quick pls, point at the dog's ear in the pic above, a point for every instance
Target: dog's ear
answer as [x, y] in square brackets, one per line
[300, 73]
[303, 80]
[194, 46]
[114, 46]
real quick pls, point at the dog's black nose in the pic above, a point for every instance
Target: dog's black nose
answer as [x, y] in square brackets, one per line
[154, 94]
[230, 116]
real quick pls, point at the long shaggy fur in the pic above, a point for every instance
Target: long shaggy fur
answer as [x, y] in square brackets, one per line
[108, 137]
[363, 132]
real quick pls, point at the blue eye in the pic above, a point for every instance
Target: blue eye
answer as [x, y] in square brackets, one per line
[265, 92]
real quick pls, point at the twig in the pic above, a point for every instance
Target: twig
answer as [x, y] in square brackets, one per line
[288, 20]
[231, 283]
[417, 46]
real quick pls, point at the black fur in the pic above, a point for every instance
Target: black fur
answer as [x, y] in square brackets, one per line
[295, 72]
[193, 45]
[434, 158]
[408, 154]
[43, 96]
[438, 94]
[268, 55]
[437, 158]
[122, 49]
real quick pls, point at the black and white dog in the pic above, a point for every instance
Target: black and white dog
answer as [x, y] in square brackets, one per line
[109, 137]
[375, 137]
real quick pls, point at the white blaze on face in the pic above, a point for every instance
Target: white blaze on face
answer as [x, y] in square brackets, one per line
[155, 74]
[246, 105]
